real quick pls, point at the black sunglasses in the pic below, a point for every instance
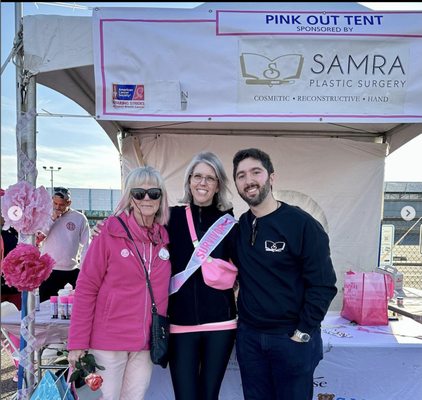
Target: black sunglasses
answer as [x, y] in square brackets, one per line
[61, 192]
[139, 193]
[254, 231]
[60, 189]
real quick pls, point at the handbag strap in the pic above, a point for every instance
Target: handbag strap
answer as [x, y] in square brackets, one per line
[129, 235]
[191, 226]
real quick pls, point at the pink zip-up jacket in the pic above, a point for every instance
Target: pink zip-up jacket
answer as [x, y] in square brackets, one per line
[112, 304]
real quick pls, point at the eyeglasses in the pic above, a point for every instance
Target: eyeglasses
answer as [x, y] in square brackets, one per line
[197, 178]
[140, 193]
[62, 192]
[254, 231]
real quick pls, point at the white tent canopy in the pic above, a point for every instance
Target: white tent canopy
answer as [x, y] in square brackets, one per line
[59, 50]
[333, 167]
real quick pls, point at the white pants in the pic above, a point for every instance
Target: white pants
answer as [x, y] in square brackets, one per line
[127, 374]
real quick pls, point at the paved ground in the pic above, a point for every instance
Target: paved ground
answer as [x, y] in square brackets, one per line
[8, 387]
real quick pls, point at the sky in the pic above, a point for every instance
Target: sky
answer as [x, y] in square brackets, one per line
[79, 146]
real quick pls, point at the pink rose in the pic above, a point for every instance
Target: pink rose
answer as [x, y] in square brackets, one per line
[94, 381]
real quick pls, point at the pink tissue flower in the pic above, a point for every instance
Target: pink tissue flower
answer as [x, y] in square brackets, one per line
[25, 268]
[26, 208]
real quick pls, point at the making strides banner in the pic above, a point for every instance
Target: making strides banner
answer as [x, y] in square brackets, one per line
[212, 64]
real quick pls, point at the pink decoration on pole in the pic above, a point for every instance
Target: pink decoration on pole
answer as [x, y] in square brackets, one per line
[25, 268]
[26, 208]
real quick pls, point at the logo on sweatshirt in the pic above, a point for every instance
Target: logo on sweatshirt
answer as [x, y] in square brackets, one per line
[125, 253]
[274, 247]
[70, 226]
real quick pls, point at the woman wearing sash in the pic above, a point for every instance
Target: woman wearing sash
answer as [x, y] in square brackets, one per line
[203, 319]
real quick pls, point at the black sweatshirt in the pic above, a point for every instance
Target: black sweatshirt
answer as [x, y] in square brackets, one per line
[286, 279]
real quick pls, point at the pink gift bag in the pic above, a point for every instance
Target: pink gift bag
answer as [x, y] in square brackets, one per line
[366, 295]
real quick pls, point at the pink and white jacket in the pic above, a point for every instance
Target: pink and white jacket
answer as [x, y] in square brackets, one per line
[112, 304]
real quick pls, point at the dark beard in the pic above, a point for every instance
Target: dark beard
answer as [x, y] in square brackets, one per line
[263, 192]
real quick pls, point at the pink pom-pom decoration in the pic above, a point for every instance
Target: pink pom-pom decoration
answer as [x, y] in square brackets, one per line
[25, 268]
[26, 208]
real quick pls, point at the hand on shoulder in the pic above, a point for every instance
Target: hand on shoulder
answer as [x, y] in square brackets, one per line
[96, 229]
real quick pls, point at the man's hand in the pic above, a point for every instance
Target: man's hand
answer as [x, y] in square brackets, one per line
[56, 214]
[39, 237]
[96, 229]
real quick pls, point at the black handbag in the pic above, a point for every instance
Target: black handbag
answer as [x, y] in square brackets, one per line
[160, 327]
[160, 331]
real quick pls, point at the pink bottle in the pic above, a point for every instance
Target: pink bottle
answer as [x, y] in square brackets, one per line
[54, 307]
[63, 303]
[69, 305]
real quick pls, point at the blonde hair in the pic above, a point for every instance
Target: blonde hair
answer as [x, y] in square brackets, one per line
[138, 177]
[221, 198]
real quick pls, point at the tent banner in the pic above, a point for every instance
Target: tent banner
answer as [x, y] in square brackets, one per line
[211, 64]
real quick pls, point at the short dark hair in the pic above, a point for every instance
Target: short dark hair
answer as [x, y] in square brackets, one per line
[255, 154]
[62, 192]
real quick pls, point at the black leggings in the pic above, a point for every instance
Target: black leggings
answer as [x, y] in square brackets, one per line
[198, 362]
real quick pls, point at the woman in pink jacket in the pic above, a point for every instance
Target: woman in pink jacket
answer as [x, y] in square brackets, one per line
[112, 306]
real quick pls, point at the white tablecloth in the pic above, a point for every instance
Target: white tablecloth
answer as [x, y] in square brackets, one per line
[360, 362]
[47, 330]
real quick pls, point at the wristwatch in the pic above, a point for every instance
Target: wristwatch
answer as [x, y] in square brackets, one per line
[304, 337]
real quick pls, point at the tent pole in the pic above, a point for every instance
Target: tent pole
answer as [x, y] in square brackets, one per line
[19, 67]
[26, 167]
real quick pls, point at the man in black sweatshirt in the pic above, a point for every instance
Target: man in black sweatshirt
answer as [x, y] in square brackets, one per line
[286, 284]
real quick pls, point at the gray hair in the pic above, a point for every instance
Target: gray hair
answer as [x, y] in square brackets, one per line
[135, 179]
[221, 198]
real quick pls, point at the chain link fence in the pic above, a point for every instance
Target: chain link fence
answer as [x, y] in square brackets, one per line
[408, 261]
[406, 252]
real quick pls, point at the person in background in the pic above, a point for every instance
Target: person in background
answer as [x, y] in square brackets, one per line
[112, 305]
[66, 241]
[9, 240]
[203, 319]
[286, 284]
